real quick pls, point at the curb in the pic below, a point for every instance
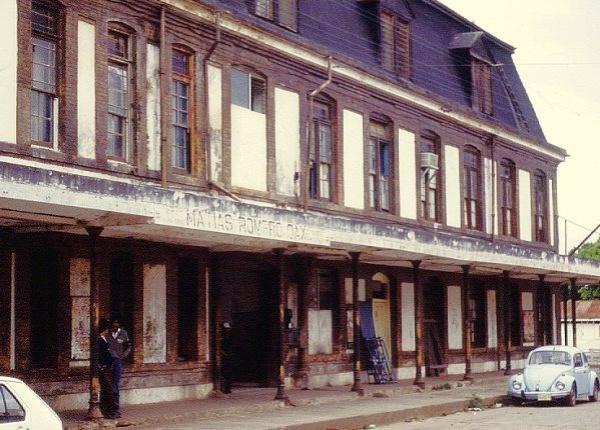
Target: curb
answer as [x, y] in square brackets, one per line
[385, 418]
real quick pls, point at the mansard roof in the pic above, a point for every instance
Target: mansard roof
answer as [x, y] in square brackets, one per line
[350, 29]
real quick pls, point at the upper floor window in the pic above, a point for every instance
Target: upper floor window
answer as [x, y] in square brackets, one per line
[482, 86]
[248, 90]
[119, 94]
[430, 176]
[321, 150]
[44, 77]
[283, 12]
[181, 108]
[395, 44]
[380, 142]
[540, 195]
[508, 215]
[472, 188]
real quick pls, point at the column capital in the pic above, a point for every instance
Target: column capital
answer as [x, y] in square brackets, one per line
[415, 263]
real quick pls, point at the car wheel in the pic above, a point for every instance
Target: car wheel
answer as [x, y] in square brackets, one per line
[594, 396]
[571, 399]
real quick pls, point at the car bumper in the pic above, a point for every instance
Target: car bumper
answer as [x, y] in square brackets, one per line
[538, 395]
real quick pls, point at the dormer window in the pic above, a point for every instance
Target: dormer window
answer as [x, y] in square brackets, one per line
[282, 12]
[394, 44]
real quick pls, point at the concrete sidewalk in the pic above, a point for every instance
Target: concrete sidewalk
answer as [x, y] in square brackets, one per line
[325, 408]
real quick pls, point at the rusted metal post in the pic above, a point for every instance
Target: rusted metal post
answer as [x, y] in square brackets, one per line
[94, 408]
[574, 310]
[356, 386]
[419, 321]
[280, 395]
[467, 322]
[565, 310]
[507, 321]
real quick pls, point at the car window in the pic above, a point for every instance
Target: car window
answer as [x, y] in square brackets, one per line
[550, 357]
[585, 360]
[578, 360]
[10, 409]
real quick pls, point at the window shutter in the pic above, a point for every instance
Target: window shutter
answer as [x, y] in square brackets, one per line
[403, 49]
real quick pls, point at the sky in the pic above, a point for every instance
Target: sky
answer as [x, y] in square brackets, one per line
[558, 59]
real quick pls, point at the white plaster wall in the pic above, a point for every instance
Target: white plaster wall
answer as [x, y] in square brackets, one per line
[485, 366]
[407, 174]
[8, 71]
[588, 334]
[492, 321]
[525, 222]
[409, 372]
[550, 212]
[248, 148]
[455, 333]
[79, 283]
[320, 332]
[495, 196]
[153, 106]
[215, 121]
[452, 183]
[354, 183]
[456, 369]
[362, 293]
[488, 194]
[86, 90]
[155, 313]
[287, 140]
[407, 299]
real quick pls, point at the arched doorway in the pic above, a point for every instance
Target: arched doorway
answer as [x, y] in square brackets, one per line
[380, 293]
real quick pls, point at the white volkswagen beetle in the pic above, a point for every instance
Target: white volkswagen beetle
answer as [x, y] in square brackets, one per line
[555, 373]
[22, 408]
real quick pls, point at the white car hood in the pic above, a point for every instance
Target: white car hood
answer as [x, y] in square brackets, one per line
[541, 376]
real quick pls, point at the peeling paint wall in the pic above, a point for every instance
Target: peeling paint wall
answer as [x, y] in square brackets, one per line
[553, 319]
[155, 312]
[492, 321]
[452, 183]
[287, 140]
[320, 340]
[495, 198]
[525, 222]
[248, 148]
[86, 90]
[79, 282]
[407, 174]
[407, 299]
[488, 189]
[153, 106]
[528, 318]
[354, 182]
[8, 71]
[454, 317]
[215, 121]
[550, 212]
[362, 292]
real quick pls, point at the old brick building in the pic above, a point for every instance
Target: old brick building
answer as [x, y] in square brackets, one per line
[268, 165]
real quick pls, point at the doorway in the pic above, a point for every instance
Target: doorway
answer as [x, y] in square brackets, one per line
[434, 326]
[249, 306]
[121, 277]
[380, 291]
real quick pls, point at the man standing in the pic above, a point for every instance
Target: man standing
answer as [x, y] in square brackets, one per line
[105, 361]
[119, 346]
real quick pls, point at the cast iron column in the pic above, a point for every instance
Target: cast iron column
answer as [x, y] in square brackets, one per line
[565, 310]
[467, 322]
[280, 395]
[94, 409]
[419, 316]
[543, 309]
[574, 310]
[507, 322]
[356, 386]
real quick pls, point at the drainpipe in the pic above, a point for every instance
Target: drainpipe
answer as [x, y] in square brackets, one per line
[164, 139]
[574, 310]
[494, 197]
[309, 128]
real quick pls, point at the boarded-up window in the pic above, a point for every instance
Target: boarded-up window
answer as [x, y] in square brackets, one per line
[395, 44]
[482, 86]
[282, 12]
[320, 318]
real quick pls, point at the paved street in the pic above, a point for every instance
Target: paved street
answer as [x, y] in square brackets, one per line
[532, 417]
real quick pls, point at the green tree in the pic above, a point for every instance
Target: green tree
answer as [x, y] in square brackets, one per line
[590, 251]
